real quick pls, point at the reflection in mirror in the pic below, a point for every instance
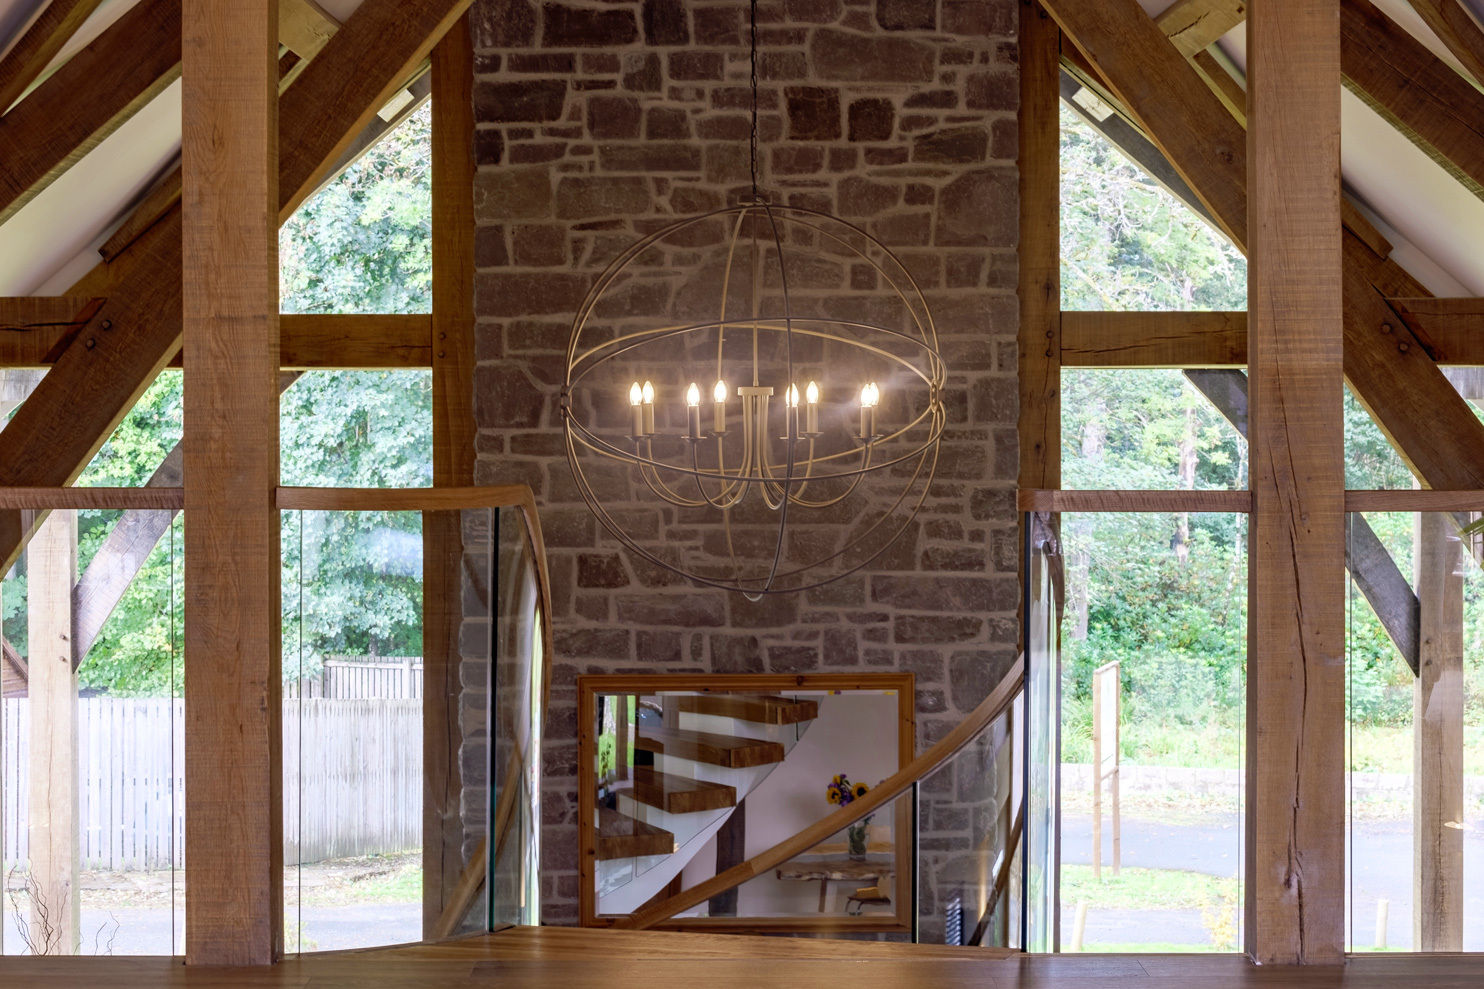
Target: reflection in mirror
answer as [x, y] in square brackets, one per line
[687, 783]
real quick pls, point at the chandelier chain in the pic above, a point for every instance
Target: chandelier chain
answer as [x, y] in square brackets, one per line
[752, 9]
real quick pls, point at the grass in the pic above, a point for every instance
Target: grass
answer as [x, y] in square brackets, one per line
[1144, 948]
[1135, 890]
[1143, 889]
[1155, 741]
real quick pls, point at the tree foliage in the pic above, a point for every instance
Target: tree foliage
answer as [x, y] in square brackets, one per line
[1166, 595]
[360, 245]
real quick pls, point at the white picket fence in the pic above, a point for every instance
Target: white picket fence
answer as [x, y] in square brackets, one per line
[352, 780]
[348, 676]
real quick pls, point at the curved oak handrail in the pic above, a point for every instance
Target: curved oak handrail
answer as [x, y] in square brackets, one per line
[888, 789]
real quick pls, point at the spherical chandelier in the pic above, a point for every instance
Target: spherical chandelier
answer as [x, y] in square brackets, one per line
[753, 397]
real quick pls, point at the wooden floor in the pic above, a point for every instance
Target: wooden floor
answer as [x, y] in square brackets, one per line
[566, 958]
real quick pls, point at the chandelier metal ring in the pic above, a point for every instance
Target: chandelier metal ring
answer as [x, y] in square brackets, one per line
[798, 496]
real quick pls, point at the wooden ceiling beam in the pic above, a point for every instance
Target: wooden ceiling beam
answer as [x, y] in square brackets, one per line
[1456, 28]
[1150, 78]
[304, 27]
[1451, 331]
[156, 203]
[1154, 339]
[1387, 365]
[28, 58]
[55, 432]
[374, 54]
[87, 99]
[53, 436]
[33, 329]
[1415, 91]
[1194, 25]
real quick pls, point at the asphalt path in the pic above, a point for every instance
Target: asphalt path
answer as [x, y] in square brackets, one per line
[1381, 866]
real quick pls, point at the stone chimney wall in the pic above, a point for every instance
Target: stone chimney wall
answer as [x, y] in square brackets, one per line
[598, 122]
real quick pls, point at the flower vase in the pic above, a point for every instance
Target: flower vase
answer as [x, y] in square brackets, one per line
[856, 836]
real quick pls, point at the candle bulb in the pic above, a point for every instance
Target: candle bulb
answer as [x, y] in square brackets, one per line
[648, 395]
[635, 398]
[811, 408]
[719, 394]
[792, 402]
[693, 411]
[870, 395]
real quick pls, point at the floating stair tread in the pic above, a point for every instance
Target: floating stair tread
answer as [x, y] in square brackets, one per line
[709, 747]
[621, 837]
[762, 709]
[680, 794]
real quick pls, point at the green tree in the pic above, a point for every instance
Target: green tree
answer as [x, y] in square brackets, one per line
[360, 245]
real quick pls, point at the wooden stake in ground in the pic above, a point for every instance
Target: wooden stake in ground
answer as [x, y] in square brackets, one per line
[51, 559]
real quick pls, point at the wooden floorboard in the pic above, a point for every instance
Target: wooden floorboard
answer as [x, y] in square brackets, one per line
[592, 959]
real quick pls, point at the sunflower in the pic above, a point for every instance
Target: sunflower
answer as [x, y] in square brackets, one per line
[832, 794]
[860, 790]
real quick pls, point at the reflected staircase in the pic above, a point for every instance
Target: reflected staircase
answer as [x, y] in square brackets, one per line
[688, 778]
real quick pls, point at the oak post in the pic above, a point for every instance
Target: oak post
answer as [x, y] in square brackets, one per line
[1295, 673]
[52, 566]
[451, 344]
[1438, 696]
[230, 200]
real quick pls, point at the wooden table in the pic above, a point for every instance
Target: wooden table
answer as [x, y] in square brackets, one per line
[867, 871]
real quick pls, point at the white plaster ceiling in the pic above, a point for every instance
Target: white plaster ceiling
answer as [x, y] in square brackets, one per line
[1435, 224]
[53, 240]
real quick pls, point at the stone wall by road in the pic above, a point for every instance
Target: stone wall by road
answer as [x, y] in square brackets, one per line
[599, 121]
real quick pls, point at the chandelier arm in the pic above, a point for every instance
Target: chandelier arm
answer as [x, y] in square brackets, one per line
[720, 501]
[605, 449]
[865, 562]
[850, 490]
[804, 567]
[587, 362]
[661, 489]
[786, 485]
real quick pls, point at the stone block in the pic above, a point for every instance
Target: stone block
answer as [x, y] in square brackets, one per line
[601, 570]
[793, 659]
[587, 196]
[845, 56]
[665, 23]
[613, 117]
[664, 123]
[813, 113]
[690, 66]
[980, 209]
[697, 609]
[649, 157]
[584, 27]
[907, 15]
[520, 101]
[503, 24]
[935, 628]
[736, 654]
[872, 119]
[862, 197]
[538, 245]
[641, 72]
[992, 91]
[952, 145]
[720, 26]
